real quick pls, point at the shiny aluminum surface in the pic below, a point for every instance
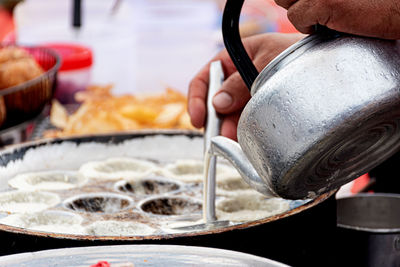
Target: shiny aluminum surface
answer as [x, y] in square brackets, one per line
[231, 150]
[324, 113]
[369, 229]
[139, 255]
[373, 213]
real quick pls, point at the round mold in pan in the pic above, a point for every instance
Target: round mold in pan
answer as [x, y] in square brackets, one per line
[115, 228]
[47, 221]
[26, 201]
[99, 203]
[149, 186]
[191, 171]
[117, 168]
[48, 180]
[249, 205]
[171, 206]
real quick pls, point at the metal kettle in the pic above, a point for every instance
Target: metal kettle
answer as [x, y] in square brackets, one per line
[322, 113]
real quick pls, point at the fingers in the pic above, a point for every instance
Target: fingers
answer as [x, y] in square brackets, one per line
[198, 88]
[229, 125]
[285, 3]
[305, 14]
[197, 98]
[232, 96]
[366, 18]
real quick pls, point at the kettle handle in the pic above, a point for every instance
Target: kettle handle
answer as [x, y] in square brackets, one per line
[233, 43]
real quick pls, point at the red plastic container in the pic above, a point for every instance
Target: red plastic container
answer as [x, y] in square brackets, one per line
[75, 71]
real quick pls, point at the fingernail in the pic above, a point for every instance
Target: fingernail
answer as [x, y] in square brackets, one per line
[222, 100]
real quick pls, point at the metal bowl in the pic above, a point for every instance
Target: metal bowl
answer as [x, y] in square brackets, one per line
[149, 255]
[369, 229]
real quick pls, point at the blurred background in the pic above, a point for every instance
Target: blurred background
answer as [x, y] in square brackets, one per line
[137, 45]
[79, 66]
[76, 67]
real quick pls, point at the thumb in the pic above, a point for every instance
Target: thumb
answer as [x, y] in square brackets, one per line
[232, 96]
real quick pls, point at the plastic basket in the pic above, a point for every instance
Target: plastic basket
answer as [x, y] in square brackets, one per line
[27, 100]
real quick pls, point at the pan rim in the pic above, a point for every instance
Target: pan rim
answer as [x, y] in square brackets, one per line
[120, 137]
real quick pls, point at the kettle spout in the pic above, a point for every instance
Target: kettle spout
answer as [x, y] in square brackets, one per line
[231, 150]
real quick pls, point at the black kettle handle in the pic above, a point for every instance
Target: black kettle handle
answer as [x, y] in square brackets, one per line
[233, 42]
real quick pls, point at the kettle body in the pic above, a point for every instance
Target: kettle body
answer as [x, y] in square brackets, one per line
[322, 113]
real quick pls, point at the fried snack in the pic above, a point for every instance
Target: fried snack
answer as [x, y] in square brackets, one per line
[59, 115]
[8, 55]
[17, 71]
[12, 53]
[18, 66]
[102, 112]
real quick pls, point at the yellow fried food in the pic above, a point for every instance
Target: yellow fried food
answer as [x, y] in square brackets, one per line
[59, 115]
[102, 112]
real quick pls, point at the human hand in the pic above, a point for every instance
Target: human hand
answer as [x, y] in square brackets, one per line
[379, 18]
[233, 95]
